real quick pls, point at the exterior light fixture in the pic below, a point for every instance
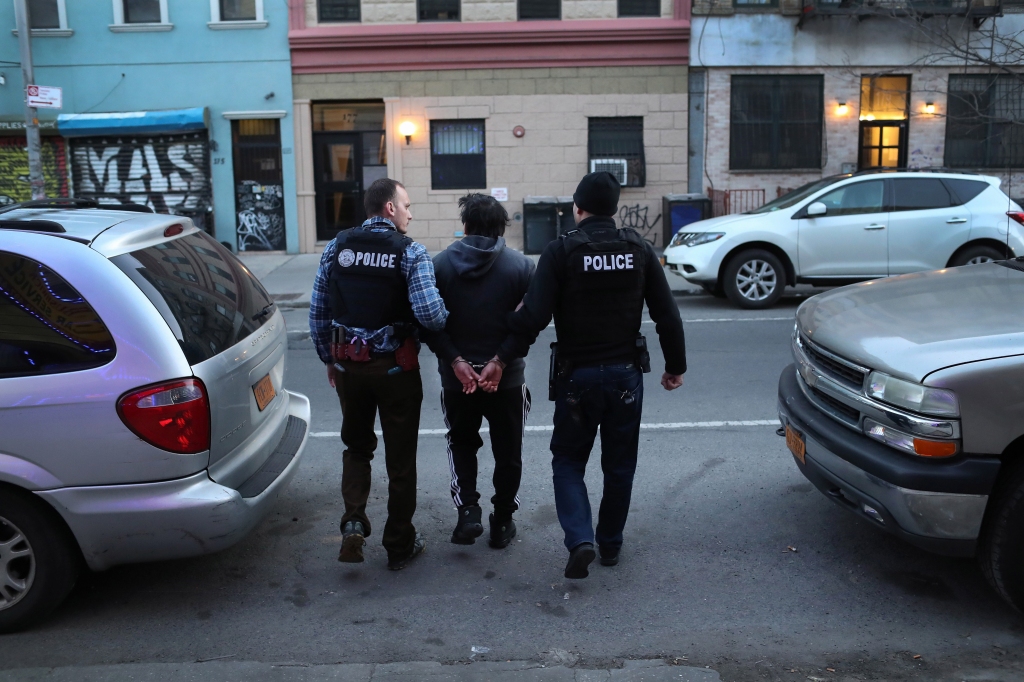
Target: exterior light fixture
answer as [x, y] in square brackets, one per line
[407, 128]
[842, 109]
[929, 107]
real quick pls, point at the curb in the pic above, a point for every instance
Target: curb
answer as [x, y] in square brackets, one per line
[241, 671]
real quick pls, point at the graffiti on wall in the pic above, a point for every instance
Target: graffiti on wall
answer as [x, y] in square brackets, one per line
[170, 174]
[14, 185]
[636, 217]
[260, 216]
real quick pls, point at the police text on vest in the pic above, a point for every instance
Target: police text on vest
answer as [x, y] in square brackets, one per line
[375, 260]
[621, 261]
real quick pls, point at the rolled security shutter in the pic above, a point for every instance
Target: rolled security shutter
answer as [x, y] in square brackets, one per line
[170, 173]
[14, 185]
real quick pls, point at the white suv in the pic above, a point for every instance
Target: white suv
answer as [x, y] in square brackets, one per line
[850, 228]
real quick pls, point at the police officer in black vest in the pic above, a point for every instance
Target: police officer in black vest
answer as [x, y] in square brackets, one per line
[595, 280]
[373, 286]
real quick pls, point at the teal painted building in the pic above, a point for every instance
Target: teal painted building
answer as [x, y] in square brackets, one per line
[182, 105]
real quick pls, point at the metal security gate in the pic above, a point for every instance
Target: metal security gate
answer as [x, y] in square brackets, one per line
[169, 173]
[259, 184]
[14, 185]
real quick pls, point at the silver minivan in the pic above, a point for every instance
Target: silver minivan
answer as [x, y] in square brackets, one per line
[143, 408]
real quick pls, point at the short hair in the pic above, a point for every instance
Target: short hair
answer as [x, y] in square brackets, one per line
[482, 215]
[378, 194]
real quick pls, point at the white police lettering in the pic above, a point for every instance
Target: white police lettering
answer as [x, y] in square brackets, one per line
[375, 260]
[619, 261]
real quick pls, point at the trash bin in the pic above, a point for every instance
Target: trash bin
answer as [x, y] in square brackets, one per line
[679, 210]
[544, 218]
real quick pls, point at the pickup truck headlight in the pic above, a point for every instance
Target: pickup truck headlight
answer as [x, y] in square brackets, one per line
[695, 238]
[914, 397]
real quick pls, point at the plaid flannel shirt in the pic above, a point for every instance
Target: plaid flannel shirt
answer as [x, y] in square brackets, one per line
[418, 269]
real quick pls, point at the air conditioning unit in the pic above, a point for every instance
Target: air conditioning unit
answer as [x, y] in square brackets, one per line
[616, 167]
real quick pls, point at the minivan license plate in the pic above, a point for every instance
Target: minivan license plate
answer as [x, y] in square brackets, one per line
[795, 443]
[264, 392]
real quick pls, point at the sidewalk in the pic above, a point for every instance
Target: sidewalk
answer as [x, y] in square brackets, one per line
[225, 671]
[289, 277]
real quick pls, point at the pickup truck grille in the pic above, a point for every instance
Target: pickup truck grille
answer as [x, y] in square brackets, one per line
[842, 409]
[845, 374]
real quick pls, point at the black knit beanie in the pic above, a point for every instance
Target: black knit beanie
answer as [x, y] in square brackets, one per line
[598, 193]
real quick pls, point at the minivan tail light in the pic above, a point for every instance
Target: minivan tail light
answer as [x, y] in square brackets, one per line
[1017, 216]
[173, 416]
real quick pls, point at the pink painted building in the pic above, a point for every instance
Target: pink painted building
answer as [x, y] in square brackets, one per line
[516, 98]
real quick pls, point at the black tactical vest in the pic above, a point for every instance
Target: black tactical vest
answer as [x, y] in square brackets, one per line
[602, 300]
[367, 288]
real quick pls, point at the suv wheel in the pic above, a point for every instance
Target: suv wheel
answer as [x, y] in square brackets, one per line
[754, 279]
[976, 254]
[38, 562]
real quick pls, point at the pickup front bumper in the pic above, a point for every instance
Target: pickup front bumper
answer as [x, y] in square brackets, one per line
[936, 505]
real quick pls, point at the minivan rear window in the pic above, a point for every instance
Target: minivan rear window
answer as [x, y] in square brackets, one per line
[207, 297]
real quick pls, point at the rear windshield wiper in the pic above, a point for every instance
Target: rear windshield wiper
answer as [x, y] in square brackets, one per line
[267, 309]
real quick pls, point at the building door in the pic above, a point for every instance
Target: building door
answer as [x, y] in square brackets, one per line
[884, 115]
[349, 153]
[339, 189]
[883, 144]
[259, 184]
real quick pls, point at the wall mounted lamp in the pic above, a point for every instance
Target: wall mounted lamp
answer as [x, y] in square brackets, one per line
[929, 107]
[842, 109]
[407, 128]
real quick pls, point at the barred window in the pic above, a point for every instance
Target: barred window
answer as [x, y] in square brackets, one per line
[985, 121]
[540, 9]
[639, 8]
[338, 10]
[437, 10]
[616, 145]
[457, 159]
[776, 122]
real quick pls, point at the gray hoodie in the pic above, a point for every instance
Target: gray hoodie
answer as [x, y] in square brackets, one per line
[480, 281]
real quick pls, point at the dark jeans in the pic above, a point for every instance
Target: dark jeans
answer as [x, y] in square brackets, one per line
[364, 388]
[609, 397]
[506, 412]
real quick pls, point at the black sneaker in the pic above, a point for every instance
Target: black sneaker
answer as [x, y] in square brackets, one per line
[502, 532]
[469, 527]
[418, 545]
[580, 557]
[609, 556]
[352, 541]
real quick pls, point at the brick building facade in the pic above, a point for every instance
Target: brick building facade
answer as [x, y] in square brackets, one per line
[532, 102]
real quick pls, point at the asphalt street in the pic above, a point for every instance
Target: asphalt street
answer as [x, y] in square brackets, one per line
[733, 564]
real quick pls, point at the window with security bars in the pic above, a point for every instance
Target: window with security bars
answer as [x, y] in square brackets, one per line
[338, 10]
[616, 145]
[437, 10]
[985, 121]
[540, 9]
[639, 8]
[457, 158]
[776, 122]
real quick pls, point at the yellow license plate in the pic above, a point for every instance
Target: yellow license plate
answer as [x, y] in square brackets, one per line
[795, 443]
[264, 392]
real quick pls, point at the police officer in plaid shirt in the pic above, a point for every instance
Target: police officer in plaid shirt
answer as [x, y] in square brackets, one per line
[373, 286]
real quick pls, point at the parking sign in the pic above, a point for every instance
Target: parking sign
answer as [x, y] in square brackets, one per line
[44, 97]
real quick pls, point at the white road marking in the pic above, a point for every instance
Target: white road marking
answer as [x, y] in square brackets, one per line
[548, 428]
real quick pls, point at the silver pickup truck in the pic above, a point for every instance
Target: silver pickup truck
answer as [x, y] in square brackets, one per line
[906, 406]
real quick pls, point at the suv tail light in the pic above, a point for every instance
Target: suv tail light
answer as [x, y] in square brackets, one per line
[1017, 216]
[173, 416]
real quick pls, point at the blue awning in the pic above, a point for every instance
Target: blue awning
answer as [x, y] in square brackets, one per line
[133, 122]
